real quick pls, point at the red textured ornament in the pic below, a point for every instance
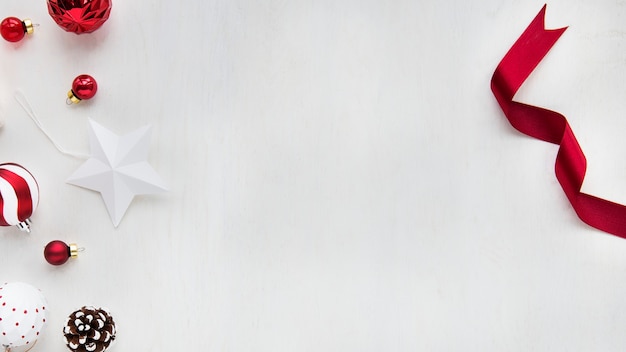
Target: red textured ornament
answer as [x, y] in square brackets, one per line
[58, 252]
[13, 29]
[83, 87]
[79, 16]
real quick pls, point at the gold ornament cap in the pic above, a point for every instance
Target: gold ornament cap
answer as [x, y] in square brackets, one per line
[71, 98]
[74, 250]
[28, 26]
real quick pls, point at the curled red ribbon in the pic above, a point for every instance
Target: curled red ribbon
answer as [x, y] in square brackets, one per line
[550, 126]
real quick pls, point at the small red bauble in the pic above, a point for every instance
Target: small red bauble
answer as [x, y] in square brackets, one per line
[58, 252]
[79, 16]
[83, 87]
[13, 29]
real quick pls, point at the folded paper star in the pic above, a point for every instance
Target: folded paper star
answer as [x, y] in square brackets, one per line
[117, 168]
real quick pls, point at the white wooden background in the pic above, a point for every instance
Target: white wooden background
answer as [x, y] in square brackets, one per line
[341, 176]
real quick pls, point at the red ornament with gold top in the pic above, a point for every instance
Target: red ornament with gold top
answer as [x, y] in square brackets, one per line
[79, 16]
[58, 252]
[83, 87]
[13, 29]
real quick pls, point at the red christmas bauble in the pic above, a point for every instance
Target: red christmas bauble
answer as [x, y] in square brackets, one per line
[56, 252]
[12, 29]
[79, 16]
[83, 87]
[20, 194]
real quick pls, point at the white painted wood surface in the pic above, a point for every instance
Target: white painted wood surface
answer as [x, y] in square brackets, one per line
[341, 177]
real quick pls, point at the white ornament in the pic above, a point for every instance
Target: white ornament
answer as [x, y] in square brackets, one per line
[23, 314]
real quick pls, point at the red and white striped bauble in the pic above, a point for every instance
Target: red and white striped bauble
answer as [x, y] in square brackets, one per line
[19, 196]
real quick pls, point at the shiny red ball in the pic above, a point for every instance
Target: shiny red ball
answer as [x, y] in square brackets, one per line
[12, 29]
[84, 87]
[56, 252]
[79, 16]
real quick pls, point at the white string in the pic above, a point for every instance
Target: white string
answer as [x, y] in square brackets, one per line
[21, 99]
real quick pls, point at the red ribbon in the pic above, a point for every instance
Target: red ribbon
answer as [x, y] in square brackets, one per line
[550, 126]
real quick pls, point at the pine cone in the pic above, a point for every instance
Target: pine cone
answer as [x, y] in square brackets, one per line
[89, 329]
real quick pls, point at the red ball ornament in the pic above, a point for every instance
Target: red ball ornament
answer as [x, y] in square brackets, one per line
[58, 252]
[83, 87]
[13, 29]
[79, 16]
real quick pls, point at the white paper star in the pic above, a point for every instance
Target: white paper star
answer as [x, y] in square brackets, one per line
[118, 168]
